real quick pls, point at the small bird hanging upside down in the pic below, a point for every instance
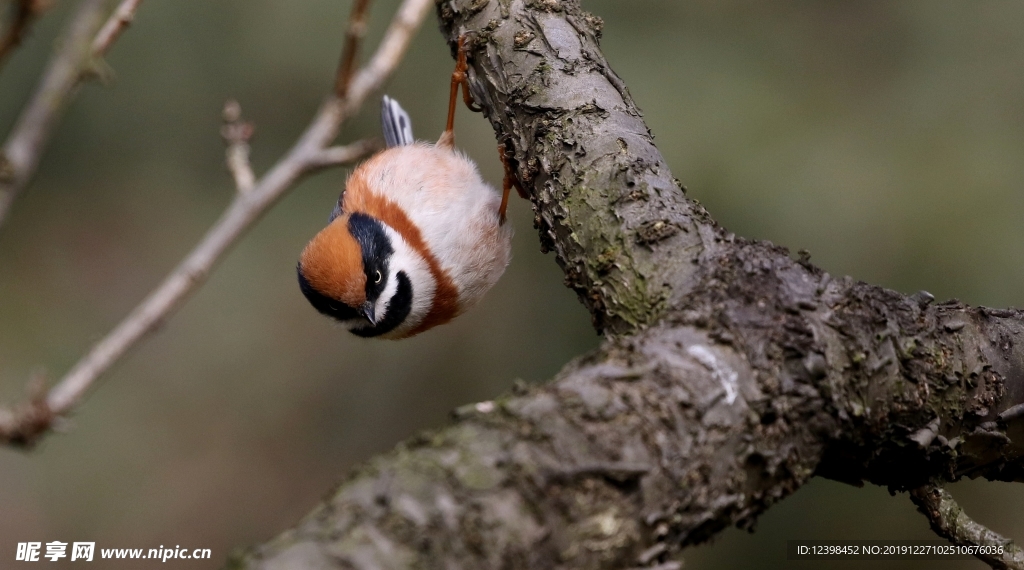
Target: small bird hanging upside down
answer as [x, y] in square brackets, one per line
[416, 238]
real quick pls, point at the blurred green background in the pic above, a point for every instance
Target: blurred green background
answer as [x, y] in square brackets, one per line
[885, 137]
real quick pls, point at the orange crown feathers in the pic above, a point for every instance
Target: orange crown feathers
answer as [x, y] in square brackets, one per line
[333, 264]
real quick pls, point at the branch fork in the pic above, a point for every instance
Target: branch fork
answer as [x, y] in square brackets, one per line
[88, 37]
[832, 377]
[27, 423]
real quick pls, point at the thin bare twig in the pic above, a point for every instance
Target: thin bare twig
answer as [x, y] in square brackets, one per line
[25, 11]
[122, 17]
[85, 39]
[950, 521]
[353, 37]
[310, 152]
[338, 155]
[236, 133]
[243, 212]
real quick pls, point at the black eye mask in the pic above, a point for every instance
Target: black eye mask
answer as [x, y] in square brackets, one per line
[377, 250]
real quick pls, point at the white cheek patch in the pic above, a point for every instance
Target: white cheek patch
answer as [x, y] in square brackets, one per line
[380, 308]
[406, 259]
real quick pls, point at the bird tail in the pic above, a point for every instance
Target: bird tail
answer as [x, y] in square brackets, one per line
[396, 123]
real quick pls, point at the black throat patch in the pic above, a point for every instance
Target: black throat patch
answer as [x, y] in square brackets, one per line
[398, 309]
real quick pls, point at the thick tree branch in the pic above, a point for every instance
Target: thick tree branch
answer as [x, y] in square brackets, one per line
[606, 202]
[26, 423]
[732, 373]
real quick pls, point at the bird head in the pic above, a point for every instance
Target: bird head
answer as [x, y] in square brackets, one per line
[345, 273]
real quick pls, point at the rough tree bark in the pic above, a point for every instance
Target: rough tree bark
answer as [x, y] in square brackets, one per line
[730, 375]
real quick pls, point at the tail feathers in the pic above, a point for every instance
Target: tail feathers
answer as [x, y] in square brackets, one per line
[396, 123]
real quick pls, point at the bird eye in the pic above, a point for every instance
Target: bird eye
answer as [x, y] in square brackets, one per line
[379, 277]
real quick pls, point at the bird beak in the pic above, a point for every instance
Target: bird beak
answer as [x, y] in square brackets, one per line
[367, 310]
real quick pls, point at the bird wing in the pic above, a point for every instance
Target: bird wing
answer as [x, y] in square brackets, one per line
[337, 211]
[396, 123]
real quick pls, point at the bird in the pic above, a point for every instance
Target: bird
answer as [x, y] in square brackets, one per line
[417, 236]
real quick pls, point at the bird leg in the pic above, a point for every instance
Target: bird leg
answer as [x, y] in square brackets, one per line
[459, 78]
[507, 184]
